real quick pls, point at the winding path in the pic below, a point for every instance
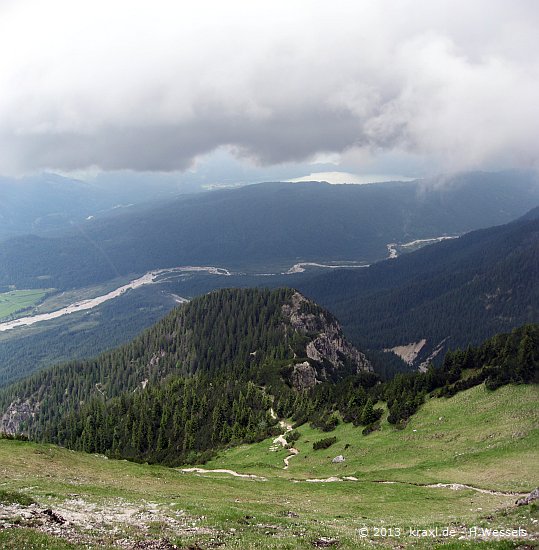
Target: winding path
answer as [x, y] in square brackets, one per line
[281, 440]
[221, 471]
[455, 487]
[335, 479]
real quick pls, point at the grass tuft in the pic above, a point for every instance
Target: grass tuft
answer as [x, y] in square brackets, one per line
[15, 497]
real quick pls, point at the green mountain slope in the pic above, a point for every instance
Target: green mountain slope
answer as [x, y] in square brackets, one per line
[451, 294]
[229, 373]
[206, 374]
[108, 503]
[221, 369]
[477, 437]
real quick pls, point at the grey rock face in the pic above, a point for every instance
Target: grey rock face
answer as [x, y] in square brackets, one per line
[327, 345]
[16, 415]
[304, 376]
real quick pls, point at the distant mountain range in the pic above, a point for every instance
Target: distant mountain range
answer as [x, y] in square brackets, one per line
[267, 226]
[44, 203]
[443, 296]
[446, 295]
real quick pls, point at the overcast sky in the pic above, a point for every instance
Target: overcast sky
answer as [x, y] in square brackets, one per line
[366, 86]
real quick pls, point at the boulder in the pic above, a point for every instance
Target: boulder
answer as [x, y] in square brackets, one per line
[534, 495]
[303, 376]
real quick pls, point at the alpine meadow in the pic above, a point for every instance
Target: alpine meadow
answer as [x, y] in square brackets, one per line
[269, 275]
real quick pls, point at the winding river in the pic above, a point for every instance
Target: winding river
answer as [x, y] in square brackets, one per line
[148, 278]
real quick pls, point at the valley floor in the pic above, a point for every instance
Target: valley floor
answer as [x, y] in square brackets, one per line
[391, 486]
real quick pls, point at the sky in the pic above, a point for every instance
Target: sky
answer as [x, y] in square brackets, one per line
[269, 90]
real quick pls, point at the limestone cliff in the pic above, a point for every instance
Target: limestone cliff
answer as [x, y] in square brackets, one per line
[327, 351]
[17, 416]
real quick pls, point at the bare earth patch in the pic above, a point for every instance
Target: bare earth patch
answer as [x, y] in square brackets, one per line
[409, 352]
[117, 522]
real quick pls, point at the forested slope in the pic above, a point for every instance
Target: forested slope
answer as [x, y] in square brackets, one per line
[222, 369]
[456, 292]
[210, 371]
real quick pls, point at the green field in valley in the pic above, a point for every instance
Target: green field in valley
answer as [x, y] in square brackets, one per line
[486, 441]
[16, 301]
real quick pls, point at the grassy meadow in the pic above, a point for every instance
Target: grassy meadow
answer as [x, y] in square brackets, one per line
[487, 441]
[16, 301]
[482, 438]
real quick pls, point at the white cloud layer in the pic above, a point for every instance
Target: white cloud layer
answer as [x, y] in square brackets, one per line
[153, 85]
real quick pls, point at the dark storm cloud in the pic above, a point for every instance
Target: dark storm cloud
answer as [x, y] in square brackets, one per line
[284, 137]
[152, 86]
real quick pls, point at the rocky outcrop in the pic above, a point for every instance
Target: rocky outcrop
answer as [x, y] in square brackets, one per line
[532, 497]
[155, 358]
[303, 376]
[331, 346]
[18, 414]
[327, 347]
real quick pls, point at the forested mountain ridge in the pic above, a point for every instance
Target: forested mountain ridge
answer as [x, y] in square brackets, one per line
[271, 225]
[227, 354]
[141, 403]
[449, 294]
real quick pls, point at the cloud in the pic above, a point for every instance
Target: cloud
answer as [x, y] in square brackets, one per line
[153, 86]
[348, 178]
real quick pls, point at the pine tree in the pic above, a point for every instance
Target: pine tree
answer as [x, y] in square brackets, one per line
[526, 362]
[368, 416]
